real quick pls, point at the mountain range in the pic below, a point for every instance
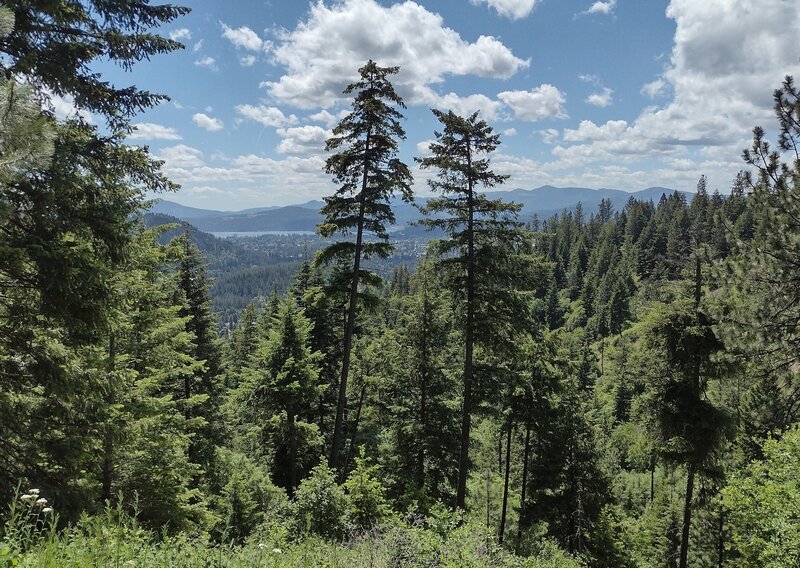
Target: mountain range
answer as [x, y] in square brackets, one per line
[543, 201]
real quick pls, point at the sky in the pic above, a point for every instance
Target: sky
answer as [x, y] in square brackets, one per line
[623, 94]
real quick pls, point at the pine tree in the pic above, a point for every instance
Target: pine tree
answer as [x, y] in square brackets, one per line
[283, 386]
[421, 420]
[369, 173]
[481, 254]
[66, 220]
[206, 381]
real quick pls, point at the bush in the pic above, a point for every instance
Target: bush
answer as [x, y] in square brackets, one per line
[320, 506]
[763, 505]
[245, 496]
[368, 506]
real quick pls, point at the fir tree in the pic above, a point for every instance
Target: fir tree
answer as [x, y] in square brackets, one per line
[369, 173]
[481, 254]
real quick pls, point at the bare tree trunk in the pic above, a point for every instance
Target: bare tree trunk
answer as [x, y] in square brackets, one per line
[687, 517]
[525, 458]
[349, 455]
[505, 483]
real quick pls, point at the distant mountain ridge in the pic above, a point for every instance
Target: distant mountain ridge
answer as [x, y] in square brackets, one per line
[543, 201]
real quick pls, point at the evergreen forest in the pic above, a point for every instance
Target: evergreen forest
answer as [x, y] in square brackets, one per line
[614, 388]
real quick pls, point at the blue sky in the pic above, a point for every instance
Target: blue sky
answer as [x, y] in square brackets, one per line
[624, 94]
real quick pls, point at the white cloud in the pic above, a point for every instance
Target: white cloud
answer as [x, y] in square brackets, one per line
[243, 37]
[198, 46]
[464, 106]
[321, 54]
[64, 108]
[424, 147]
[588, 130]
[599, 7]
[550, 135]
[654, 88]
[180, 34]
[510, 132]
[208, 62]
[545, 101]
[589, 78]
[151, 131]
[602, 99]
[247, 60]
[268, 116]
[726, 59]
[328, 119]
[514, 9]
[181, 156]
[306, 139]
[207, 122]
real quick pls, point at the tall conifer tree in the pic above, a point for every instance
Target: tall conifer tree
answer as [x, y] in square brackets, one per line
[368, 173]
[480, 253]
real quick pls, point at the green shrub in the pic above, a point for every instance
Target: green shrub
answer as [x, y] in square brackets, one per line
[763, 505]
[320, 506]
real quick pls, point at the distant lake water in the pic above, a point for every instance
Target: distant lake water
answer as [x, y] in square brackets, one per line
[226, 234]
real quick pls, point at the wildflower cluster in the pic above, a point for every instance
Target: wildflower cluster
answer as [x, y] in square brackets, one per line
[29, 518]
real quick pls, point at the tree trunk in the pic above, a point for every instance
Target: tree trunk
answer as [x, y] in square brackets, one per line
[349, 455]
[721, 539]
[466, 409]
[525, 458]
[108, 435]
[652, 478]
[341, 404]
[687, 518]
[505, 483]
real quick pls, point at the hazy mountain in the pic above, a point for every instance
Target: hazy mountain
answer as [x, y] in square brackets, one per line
[543, 201]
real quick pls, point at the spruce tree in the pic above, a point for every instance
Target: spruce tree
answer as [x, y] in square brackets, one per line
[481, 254]
[205, 384]
[283, 388]
[368, 173]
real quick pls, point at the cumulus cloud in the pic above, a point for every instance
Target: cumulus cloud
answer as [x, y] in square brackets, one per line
[514, 9]
[549, 135]
[545, 101]
[247, 60]
[198, 45]
[180, 34]
[510, 132]
[602, 99]
[654, 88]
[64, 108]
[328, 119]
[599, 7]
[308, 139]
[243, 37]
[726, 59]
[151, 131]
[463, 106]
[320, 53]
[208, 62]
[208, 123]
[268, 116]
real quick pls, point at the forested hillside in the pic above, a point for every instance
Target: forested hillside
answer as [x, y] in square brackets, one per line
[613, 389]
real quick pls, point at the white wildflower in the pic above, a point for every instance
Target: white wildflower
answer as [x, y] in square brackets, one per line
[47, 510]
[28, 498]
[41, 501]
[276, 551]
[33, 491]
[262, 545]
